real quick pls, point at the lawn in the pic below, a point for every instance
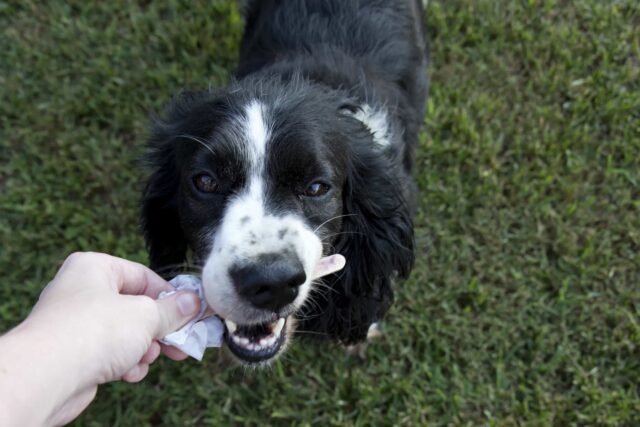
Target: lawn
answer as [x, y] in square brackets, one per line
[524, 305]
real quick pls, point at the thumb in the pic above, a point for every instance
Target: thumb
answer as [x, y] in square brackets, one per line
[175, 311]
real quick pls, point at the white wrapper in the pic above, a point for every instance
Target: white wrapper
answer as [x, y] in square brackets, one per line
[200, 333]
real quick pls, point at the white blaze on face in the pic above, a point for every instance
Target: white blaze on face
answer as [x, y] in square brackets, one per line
[257, 135]
[247, 230]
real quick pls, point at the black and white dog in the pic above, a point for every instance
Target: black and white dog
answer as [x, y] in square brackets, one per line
[307, 153]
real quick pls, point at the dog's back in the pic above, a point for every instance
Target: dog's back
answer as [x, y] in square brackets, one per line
[375, 49]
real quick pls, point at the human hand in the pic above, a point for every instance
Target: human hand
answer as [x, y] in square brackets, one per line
[97, 321]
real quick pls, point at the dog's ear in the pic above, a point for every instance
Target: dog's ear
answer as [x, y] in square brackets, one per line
[191, 117]
[376, 239]
[163, 233]
[160, 220]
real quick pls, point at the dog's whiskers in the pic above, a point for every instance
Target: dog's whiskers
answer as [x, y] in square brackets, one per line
[198, 140]
[321, 285]
[331, 219]
[313, 303]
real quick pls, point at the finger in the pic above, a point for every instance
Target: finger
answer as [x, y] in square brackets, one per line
[152, 353]
[173, 353]
[175, 311]
[126, 276]
[136, 374]
[132, 278]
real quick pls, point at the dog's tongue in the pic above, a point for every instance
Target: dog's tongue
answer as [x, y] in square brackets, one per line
[328, 265]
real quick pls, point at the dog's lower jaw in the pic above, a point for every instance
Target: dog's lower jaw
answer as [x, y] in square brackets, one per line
[257, 362]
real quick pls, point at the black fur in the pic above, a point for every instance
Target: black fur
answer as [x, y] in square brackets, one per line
[377, 241]
[322, 61]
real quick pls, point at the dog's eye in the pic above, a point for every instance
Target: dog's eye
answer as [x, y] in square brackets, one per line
[205, 183]
[316, 189]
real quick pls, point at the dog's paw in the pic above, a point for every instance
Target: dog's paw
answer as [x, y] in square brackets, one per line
[357, 351]
[360, 350]
[374, 332]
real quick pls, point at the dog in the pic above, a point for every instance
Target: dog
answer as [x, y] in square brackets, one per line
[308, 152]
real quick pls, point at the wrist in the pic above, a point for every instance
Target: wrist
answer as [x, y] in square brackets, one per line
[36, 376]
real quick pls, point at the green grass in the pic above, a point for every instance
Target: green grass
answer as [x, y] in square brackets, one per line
[524, 306]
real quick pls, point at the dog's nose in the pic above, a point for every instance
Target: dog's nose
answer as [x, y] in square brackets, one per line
[270, 283]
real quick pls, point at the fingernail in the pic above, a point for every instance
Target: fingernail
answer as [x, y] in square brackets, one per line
[187, 303]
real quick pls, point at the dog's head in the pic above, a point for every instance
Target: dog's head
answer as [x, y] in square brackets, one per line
[259, 182]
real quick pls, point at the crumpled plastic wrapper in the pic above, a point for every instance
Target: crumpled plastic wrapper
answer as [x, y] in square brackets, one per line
[206, 330]
[200, 333]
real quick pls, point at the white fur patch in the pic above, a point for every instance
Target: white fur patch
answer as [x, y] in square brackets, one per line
[377, 123]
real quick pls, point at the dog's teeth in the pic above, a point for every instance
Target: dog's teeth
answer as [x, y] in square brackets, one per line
[268, 341]
[231, 326]
[278, 328]
[243, 341]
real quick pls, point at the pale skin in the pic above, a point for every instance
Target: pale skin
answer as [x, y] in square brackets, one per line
[97, 321]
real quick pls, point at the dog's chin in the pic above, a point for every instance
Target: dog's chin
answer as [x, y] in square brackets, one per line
[258, 344]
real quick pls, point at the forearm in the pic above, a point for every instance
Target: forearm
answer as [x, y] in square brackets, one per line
[36, 378]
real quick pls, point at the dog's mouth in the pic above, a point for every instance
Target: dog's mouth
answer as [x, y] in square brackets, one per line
[259, 343]
[255, 343]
